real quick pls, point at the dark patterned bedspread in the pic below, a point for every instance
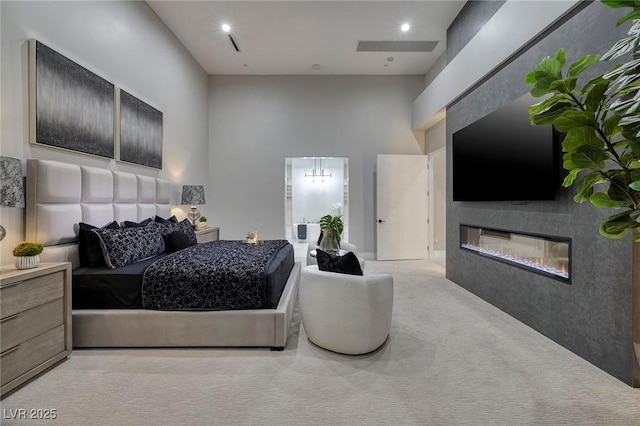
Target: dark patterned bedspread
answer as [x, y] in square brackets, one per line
[219, 275]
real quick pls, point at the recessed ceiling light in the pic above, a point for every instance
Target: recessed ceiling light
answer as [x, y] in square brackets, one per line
[405, 27]
[316, 67]
[226, 28]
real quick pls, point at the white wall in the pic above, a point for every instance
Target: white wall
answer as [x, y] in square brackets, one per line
[435, 142]
[257, 121]
[435, 69]
[435, 137]
[438, 164]
[125, 43]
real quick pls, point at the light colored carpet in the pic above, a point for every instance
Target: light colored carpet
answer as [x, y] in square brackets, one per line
[451, 359]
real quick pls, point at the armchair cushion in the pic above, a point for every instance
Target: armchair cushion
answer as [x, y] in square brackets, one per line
[347, 264]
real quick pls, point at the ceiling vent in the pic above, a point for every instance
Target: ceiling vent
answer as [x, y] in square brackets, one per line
[396, 46]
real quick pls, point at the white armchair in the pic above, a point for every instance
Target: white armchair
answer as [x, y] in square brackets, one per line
[349, 314]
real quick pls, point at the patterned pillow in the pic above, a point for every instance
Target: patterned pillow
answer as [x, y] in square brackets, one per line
[124, 246]
[167, 228]
[186, 227]
[159, 219]
[89, 244]
[130, 224]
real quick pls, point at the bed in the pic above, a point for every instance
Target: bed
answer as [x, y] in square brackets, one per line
[60, 196]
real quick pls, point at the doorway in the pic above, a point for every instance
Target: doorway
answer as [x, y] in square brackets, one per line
[314, 187]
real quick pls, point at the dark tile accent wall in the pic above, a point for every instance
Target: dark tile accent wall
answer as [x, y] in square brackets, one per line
[472, 17]
[592, 317]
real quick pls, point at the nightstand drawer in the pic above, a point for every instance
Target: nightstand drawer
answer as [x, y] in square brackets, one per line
[22, 295]
[24, 325]
[22, 358]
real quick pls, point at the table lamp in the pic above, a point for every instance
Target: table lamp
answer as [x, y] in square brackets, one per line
[11, 185]
[193, 195]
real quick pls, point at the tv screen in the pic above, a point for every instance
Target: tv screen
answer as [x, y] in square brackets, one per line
[502, 157]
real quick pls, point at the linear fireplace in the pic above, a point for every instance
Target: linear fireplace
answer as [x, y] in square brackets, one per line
[542, 254]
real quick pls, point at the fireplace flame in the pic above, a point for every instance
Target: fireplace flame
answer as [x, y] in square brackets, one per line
[537, 263]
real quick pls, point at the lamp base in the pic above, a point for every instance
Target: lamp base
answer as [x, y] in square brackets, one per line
[193, 215]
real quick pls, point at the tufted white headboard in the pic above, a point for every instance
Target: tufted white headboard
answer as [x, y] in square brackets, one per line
[60, 195]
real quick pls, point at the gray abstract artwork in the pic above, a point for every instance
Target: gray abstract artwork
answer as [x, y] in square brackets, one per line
[74, 107]
[140, 132]
[11, 182]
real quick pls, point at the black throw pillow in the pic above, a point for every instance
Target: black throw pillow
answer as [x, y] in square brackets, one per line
[186, 227]
[347, 264]
[89, 246]
[159, 219]
[177, 240]
[130, 224]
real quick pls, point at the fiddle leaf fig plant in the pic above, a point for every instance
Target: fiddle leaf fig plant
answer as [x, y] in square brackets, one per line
[601, 120]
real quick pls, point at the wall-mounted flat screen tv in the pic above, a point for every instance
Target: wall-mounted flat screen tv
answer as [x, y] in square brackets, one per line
[502, 157]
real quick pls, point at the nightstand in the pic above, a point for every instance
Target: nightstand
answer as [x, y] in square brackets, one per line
[208, 234]
[35, 324]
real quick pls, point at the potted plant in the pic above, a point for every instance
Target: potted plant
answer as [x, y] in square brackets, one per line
[27, 254]
[331, 227]
[601, 120]
[250, 238]
[202, 222]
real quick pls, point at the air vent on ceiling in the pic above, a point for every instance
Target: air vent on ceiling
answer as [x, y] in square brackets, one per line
[234, 43]
[396, 46]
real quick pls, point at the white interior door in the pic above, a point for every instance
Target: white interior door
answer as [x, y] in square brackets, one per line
[402, 208]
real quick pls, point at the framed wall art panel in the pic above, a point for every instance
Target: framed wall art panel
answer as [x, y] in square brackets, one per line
[139, 130]
[70, 107]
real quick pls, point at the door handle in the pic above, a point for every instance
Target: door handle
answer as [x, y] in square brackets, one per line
[381, 221]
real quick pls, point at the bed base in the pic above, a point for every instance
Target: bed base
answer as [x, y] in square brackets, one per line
[136, 328]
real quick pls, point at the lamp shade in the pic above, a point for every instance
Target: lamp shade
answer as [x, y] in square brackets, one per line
[193, 195]
[11, 182]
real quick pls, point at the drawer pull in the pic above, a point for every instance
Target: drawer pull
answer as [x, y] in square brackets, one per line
[11, 285]
[10, 317]
[8, 351]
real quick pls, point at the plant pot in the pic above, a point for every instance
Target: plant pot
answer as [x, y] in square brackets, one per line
[27, 262]
[202, 225]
